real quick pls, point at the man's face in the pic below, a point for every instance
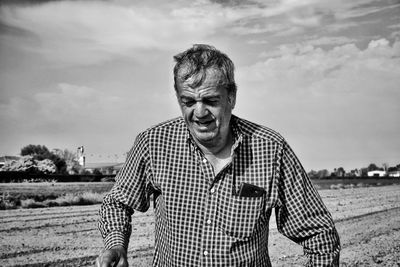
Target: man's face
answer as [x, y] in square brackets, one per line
[207, 109]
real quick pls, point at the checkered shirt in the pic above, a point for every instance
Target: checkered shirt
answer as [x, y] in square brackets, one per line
[200, 218]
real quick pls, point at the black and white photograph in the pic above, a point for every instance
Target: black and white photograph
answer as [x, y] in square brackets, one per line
[206, 133]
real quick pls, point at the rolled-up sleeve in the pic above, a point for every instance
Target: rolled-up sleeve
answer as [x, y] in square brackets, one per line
[130, 192]
[301, 214]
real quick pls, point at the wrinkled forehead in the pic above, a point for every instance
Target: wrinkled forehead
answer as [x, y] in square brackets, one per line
[211, 76]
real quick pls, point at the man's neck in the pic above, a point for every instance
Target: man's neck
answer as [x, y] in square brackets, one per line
[220, 150]
[221, 156]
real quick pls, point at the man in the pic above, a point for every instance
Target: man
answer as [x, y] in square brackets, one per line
[215, 179]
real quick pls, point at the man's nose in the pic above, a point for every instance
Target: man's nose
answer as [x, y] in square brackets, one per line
[200, 110]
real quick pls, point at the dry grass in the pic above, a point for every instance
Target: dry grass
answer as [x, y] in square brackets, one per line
[40, 195]
[50, 194]
[70, 199]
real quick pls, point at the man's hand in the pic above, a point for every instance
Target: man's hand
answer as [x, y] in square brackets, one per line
[115, 257]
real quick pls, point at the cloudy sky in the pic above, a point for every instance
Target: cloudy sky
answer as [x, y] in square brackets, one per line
[325, 74]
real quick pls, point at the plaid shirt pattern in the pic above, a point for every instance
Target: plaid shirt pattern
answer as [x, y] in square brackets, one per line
[201, 220]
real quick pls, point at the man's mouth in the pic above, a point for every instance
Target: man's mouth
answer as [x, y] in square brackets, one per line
[204, 123]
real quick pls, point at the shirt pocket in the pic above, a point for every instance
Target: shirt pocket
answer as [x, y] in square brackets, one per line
[239, 216]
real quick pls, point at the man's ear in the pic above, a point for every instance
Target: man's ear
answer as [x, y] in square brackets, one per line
[177, 94]
[232, 99]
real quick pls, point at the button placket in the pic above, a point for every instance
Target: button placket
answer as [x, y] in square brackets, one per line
[208, 229]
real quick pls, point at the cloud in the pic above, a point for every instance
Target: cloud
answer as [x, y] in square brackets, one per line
[310, 15]
[394, 26]
[364, 8]
[65, 108]
[331, 41]
[305, 60]
[328, 102]
[256, 29]
[308, 81]
[309, 42]
[91, 32]
[69, 102]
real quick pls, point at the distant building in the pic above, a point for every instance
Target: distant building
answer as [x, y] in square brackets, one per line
[81, 156]
[377, 173]
[104, 168]
[395, 173]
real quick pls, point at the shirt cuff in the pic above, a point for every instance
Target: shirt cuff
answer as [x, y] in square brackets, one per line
[116, 239]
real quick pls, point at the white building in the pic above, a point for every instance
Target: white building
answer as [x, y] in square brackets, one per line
[377, 173]
[394, 174]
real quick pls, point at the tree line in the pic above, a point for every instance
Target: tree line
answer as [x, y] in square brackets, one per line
[39, 159]
[341, 172]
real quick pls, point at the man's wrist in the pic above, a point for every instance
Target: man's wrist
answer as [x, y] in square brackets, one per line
[116, 239]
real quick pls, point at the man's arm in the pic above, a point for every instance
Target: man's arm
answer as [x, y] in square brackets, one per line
[130, 192]
[301, 214]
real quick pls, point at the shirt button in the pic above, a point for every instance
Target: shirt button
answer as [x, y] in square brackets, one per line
[204, 160]
[205, 253]
[212, 190]
[208, 221]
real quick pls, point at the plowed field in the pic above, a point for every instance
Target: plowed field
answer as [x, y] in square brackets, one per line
[368, 221]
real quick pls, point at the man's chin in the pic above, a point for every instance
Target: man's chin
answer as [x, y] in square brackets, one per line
[205, 137]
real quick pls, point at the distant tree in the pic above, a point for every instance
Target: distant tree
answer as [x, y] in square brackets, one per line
[322, 173]
[372, 167]
[354, 173]
[46, 166]
[340, 172]
[24, 164]
[97, 172]
[70, 158]
[29, 164]
[392, 169]
[40, 152]
[312, 174]
[364, 172]
[59, 162]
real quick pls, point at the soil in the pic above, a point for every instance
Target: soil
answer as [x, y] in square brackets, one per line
[367, 219]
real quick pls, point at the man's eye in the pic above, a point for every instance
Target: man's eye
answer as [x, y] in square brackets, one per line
[211, 102]
[188, 103]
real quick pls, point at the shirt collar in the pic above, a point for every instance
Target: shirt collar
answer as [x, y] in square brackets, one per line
[237, 132]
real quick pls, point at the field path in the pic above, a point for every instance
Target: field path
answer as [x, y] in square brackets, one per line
[368, 221]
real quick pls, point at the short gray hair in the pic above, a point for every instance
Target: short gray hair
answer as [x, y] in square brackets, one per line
[197, 60]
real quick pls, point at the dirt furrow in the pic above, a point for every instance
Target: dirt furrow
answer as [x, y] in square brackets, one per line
[75, 215]
[38, 217]
[19, 229]
[86, 261]
[366, 240]
[49, 223]
[44, 211]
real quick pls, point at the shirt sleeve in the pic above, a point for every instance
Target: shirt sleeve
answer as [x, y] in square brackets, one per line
[131, 191]
[301, 214]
